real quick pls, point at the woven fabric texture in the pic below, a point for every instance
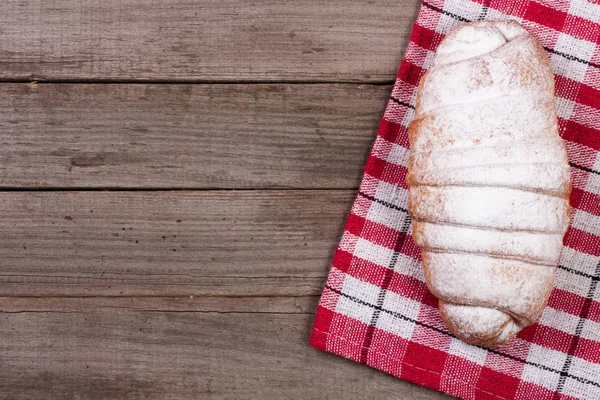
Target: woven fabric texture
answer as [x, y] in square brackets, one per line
[376, 309]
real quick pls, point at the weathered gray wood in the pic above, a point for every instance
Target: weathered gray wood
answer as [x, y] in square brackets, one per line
[219, 304]
[187, 136]
[227, 243]
[130, 354]
[204, 39]
[183, 295]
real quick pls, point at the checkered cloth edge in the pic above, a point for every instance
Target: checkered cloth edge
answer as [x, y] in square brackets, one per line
[376, 309]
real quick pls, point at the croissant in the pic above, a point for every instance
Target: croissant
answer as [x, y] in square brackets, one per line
[489, 180]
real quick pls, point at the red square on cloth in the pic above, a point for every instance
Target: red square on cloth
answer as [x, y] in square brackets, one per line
[376, 309]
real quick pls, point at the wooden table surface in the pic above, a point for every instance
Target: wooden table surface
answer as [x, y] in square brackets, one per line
[175, 176]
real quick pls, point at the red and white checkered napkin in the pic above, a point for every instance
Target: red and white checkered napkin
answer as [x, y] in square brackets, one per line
[376, 309]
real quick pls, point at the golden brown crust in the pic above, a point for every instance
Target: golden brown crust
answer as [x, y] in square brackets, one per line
[486, 338]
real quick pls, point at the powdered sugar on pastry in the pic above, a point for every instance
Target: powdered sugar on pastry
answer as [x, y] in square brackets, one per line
[533, 247]
[489, 180]
[511, 286]
[491, 122]
[489, 207]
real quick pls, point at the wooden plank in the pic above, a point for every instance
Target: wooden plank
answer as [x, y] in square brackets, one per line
[217, 304]
[207, 40]
[224, 243]
[120, 353]
[187, 136]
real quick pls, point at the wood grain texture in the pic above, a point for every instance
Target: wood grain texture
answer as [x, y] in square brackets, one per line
[217, 304]
[226, 243]
[187, 136]
[130, 354]
[145, 293]
[204, 40]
